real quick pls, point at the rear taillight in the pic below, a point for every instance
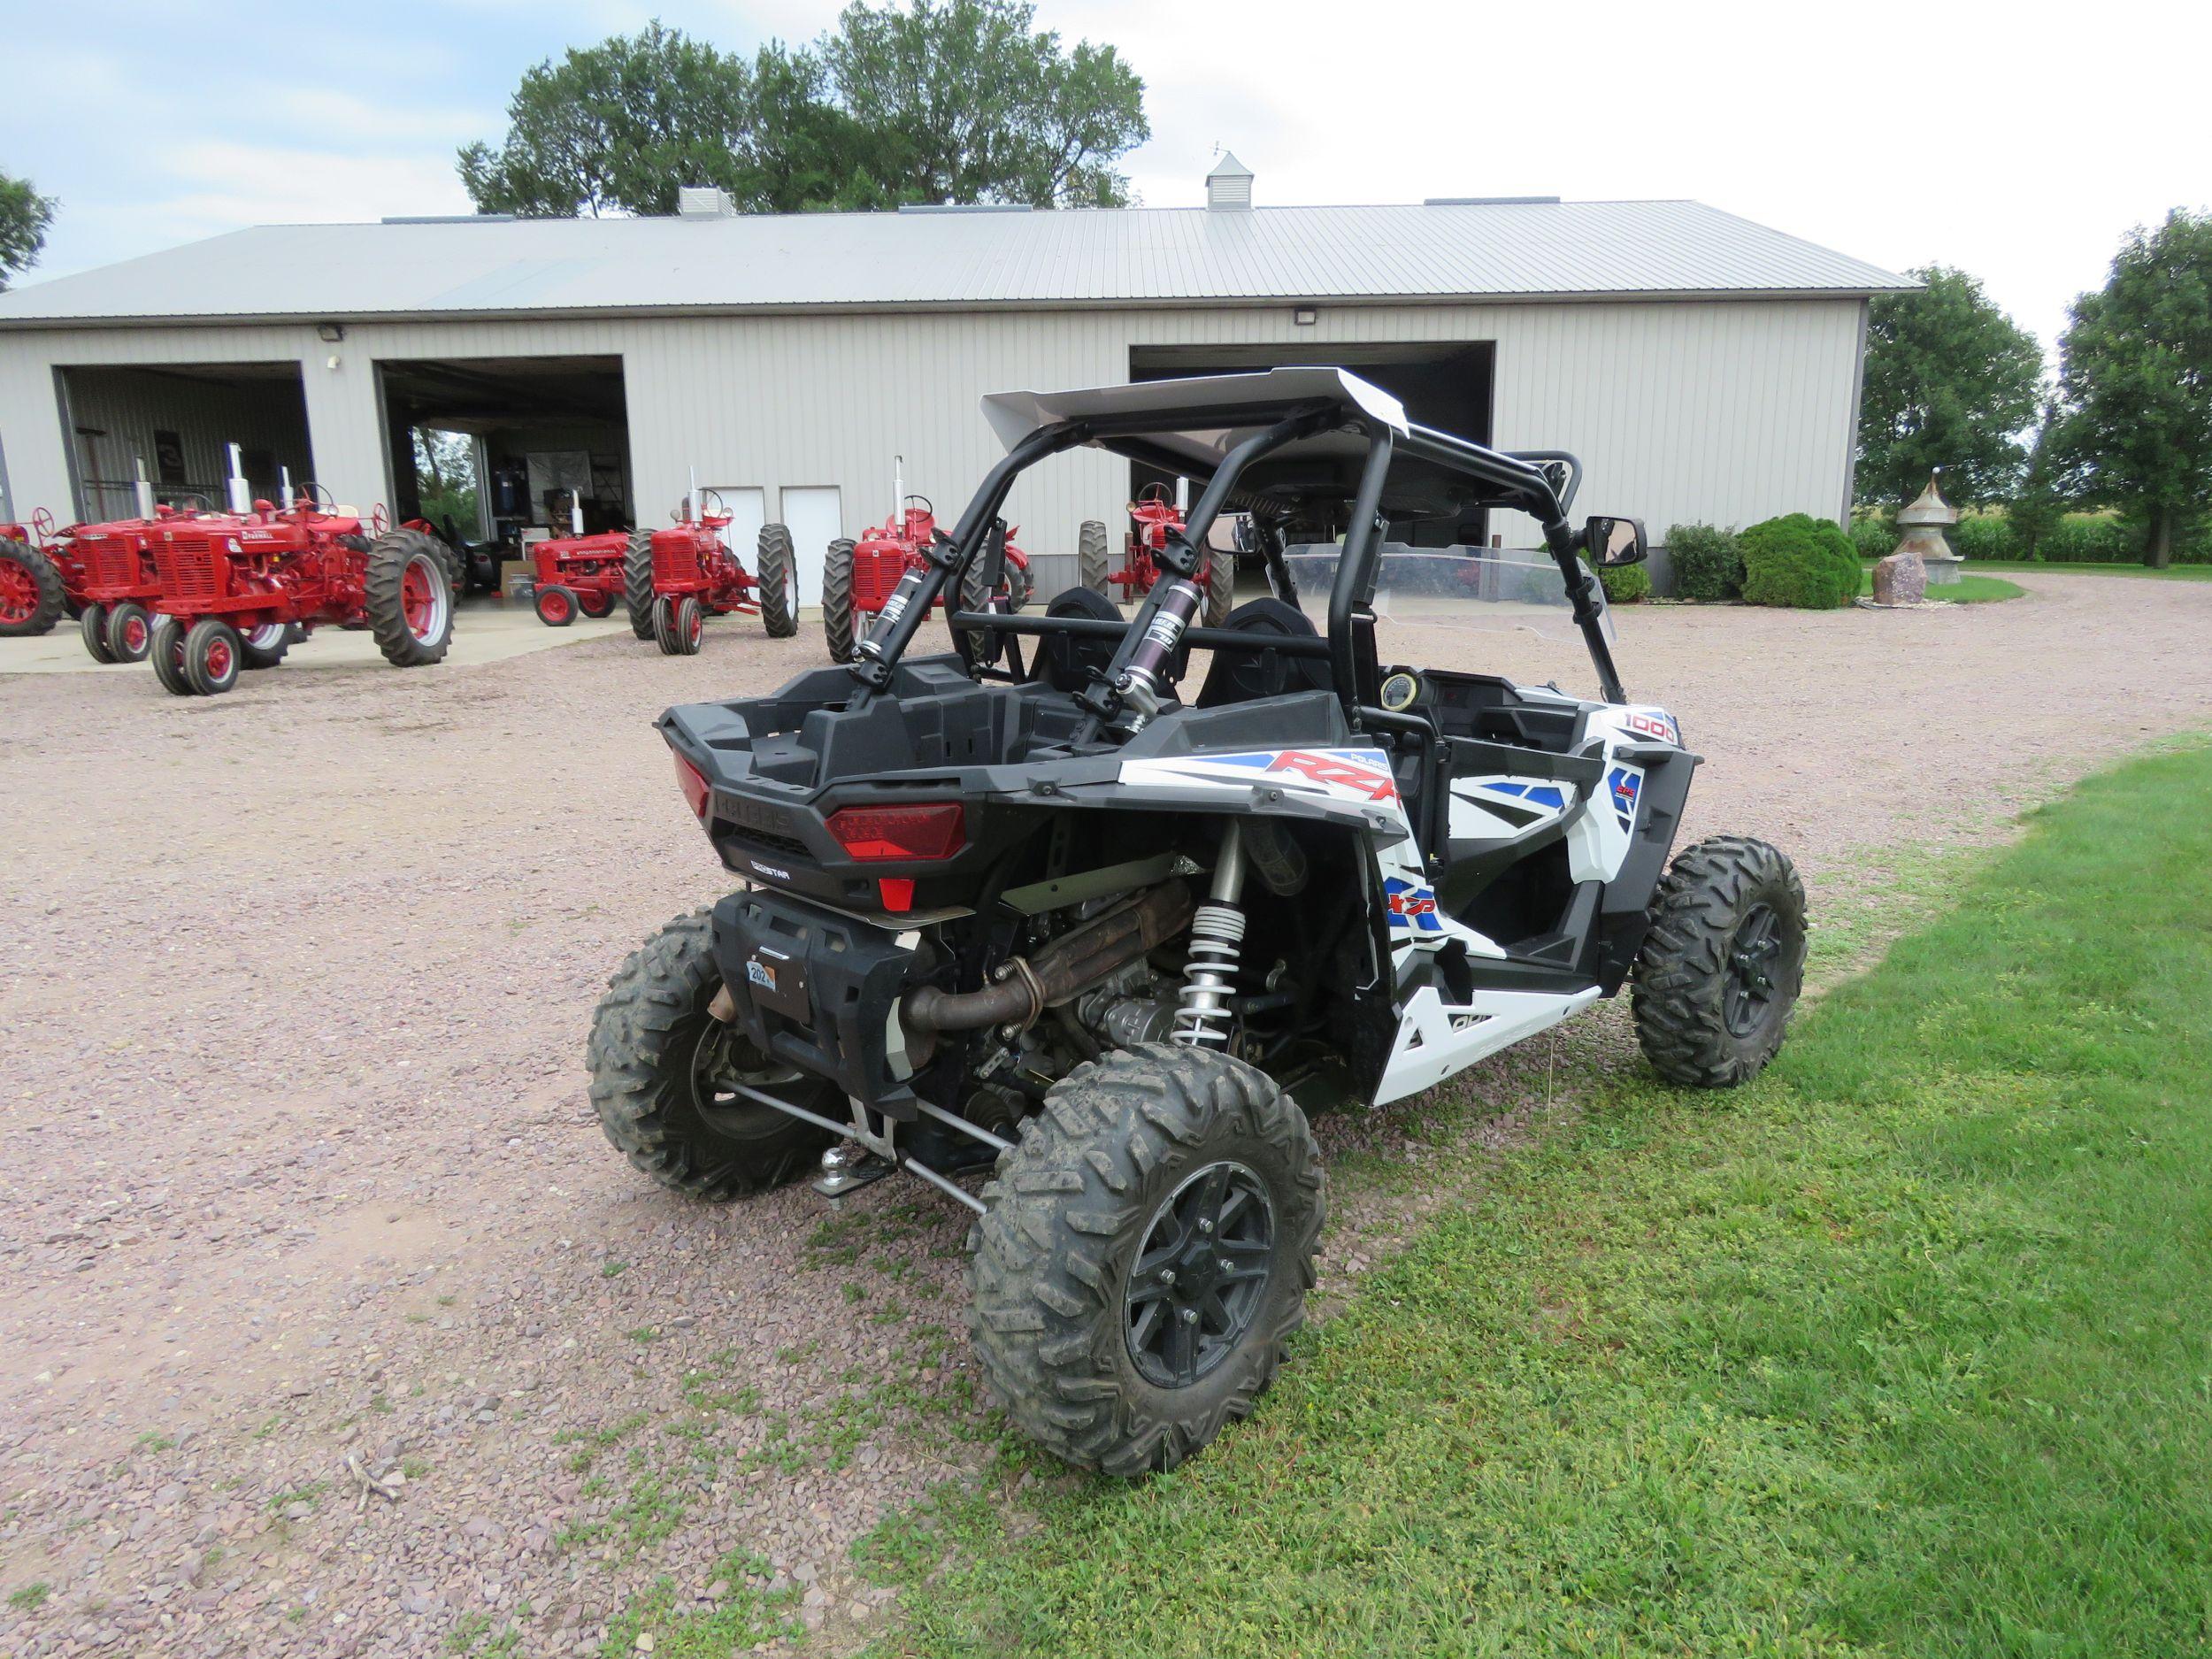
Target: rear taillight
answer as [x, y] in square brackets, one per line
[936, 831]
[693, 782]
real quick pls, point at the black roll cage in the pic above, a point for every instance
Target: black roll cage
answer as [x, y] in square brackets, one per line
[1540, 483]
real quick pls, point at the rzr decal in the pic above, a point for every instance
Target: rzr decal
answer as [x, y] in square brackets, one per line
[1327, 770]
[1412, 907]
[1653, 723]
[1355, 774]
[1626, 787]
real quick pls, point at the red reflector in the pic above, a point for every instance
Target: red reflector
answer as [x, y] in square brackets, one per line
[900, 832]
[693, 782]
[898, 892]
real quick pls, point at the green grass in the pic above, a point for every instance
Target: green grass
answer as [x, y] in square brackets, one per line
[31, 1597]
[2172, 573]
[1968, 591]
[749, 1615]
[1901, 1350]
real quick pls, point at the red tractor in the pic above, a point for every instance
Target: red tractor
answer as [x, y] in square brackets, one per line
[37, 571]
[578, 574]
[672, 579]
[103, 573]
[236, 591]
[1157, 515]
[859, 577]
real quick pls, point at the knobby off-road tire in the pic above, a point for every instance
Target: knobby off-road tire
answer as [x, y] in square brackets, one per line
[1220, 587]
[92, 628]
[409, 598]
[840, 625]
[1722, 964]
[166, 651]
[777, 561]
[637, 583]
[655, 1053]
[34, 590]
[1122, 1146]
[1092, 552]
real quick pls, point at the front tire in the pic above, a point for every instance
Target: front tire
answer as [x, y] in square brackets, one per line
[214, 657]
[556, 606]
[661, 1067]
[92, 628]
[1145, 1256]
[166, 651]
[839, 624]
[130, 631]
[777, 564]
[1721, 967]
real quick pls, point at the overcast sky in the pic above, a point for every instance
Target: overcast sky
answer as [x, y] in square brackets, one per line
[2019, 142]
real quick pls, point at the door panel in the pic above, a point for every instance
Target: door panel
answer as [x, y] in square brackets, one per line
[815, 515]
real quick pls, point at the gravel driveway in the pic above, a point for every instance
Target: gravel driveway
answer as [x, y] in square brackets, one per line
[299, 1168]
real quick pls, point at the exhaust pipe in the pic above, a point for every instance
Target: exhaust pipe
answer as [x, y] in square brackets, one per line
[241, 492]
[285, 496]
[576, 512]
[143, 490]
[1069, 965]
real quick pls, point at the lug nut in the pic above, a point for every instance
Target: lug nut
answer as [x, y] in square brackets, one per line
[1167, 1276]
[1205, 1226]
[1190, 1316]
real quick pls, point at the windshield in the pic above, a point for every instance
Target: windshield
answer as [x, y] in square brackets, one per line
[1489, 590]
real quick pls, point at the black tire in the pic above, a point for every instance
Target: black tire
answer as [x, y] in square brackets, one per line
[455, 563]
[1020, 585]
[1093, 554]
[554, 604]
[166, 651]
[687, 627]
[404, 564]
[214, 657]
[129, 630]
[778, 582]
[92, 628]
[839, 624]
[975, 595]
[653, 1046]
[264, 647]
[1119, 1143]
[1220, 587]
[1722, 964]
[665, 626]
[34, 574]
[637, 583]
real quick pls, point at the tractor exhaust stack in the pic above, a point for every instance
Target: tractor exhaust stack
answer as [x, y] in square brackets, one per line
[241, 492]
[144, 492]
[576, 512]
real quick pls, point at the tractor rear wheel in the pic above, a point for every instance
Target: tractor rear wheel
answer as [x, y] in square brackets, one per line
[1092, 553]
[92, 627]
[1722, 964]
[1020, 585]
[214, 656]
[455, 563]
[840, 624]
[130, 631]
[31, 595]
[166, 651]
[265, 646]
[666, 1074]
[594, 603]
[408, 599]
[1220, 587]
[555, 605]
[779, 582]
[637, 583]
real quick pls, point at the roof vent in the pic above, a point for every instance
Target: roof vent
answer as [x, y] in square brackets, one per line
[965, 207]
[705, 201]
[1229, 186]
[1490, 201]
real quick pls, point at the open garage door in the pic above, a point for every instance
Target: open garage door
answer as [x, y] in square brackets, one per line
[497, 451]
[177, 421]
[1443, 383]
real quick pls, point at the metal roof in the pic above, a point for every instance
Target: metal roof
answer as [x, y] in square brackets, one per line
[1136, 256]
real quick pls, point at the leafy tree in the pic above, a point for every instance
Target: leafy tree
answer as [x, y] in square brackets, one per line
[445, 479]
[2139, 378]
[2055, 480]
[1949, 379]
[23, 216]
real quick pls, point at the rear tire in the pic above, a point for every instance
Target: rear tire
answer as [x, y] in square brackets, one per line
[165, 649]
[593, 603]
[214, 657]
[1722, 964]
[92, 628]
[129, 630]
[1096, 1362]
[1093, 551]
[655, 1055]
[1220, 587]
[409, 598]
[839, 624]
[778, 563]
[265, 646]
[555, 605]
[637, 583]
[1020, 585]
[32, 597]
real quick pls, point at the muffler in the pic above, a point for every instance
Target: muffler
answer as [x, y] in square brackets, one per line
[1025, 988]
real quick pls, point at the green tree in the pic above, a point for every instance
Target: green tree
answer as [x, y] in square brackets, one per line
[2137, 377]
[445, 479]
[1950, 379]
[23, 216]
[2052, 482]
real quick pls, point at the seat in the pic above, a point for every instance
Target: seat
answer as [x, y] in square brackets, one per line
[1242, 677]
[1067, 664]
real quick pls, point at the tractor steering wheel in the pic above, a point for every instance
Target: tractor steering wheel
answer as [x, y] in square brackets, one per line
[928, 506]
[41, 524]
[1154, 494]
[318, 496]
[377, 522]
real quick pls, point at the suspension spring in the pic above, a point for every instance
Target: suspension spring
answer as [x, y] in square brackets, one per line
[1216, 938]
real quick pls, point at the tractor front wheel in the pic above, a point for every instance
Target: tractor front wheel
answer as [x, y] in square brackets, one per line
[214, 656]
[1145, 1255]
[1091, 557]
[779, 581]
[92, 628]
[689, 625]
[130, 631]
[165, 649]
[674, 1086]
[637, 583]
[408, 599]
[555, 605]
[1722, 964]
[31, 595]
[840, 623]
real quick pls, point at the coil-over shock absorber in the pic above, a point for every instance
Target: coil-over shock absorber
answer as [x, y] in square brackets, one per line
[1203, 1015]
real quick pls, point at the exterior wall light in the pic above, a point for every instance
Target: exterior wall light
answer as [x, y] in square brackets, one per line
[1305, 317]
[330, 334]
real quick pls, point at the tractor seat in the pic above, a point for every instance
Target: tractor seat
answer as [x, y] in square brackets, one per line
[1241, 677]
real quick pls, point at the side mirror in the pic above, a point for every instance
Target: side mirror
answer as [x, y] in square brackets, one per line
[1613, 543]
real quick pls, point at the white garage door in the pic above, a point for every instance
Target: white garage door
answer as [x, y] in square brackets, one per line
[817, 517]
[747, 507]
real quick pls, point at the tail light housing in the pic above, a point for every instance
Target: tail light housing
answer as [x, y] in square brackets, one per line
[931, 832]
[693, 782]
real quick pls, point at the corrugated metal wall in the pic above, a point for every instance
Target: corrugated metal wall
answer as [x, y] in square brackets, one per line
[1728, 411]
[126, 407]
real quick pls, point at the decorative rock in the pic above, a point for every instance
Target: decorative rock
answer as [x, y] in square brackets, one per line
[1901, 579]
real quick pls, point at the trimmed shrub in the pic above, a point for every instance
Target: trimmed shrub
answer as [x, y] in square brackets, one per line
[1708, 565]
[1874, 537]
[1799, 561]
[1625, 584]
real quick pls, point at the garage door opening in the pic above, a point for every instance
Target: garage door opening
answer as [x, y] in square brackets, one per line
[1446, 384]
[499, 451]
[177, 421]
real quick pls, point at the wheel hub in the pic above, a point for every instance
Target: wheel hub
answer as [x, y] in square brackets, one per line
[1199, 1275]
[1753, 960]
